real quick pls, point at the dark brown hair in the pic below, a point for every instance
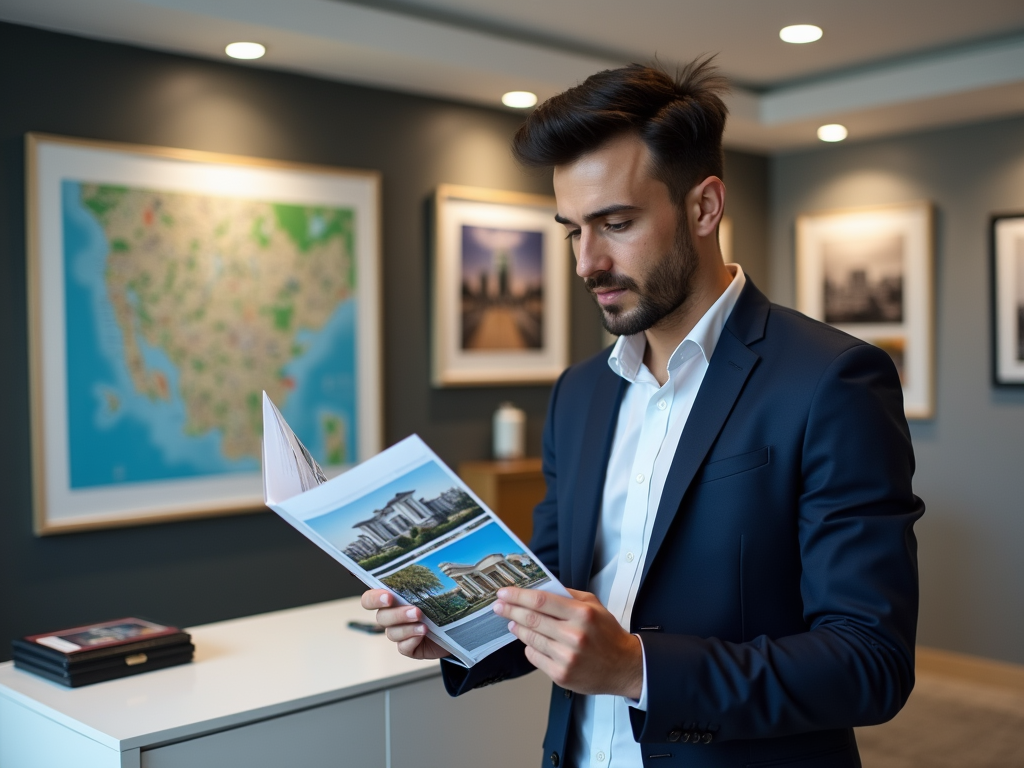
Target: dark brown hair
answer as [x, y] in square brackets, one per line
[680, 119]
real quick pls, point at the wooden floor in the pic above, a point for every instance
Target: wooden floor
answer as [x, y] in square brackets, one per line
[964, 713]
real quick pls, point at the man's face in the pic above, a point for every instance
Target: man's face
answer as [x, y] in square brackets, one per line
[632, 245]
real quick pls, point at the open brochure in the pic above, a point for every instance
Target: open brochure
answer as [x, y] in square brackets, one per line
[404, 521]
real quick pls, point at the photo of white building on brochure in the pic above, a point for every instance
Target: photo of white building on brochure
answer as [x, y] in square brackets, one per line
[399, 518]
[452, 582]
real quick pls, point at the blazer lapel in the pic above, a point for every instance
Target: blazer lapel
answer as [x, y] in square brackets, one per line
[594, 452]
[730, 367]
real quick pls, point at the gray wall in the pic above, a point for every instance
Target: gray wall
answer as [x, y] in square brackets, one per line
[970, 457]
[206, 570]
[746, 203]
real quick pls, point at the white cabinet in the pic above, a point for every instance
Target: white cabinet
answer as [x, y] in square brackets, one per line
[29, 740]
[343, 734]
[499, 726]
[293, 688]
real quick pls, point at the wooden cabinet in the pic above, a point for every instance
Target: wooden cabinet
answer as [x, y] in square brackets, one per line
[511, 488]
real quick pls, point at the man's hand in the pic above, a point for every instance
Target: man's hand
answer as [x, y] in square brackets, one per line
[403, 624]
[577, 643]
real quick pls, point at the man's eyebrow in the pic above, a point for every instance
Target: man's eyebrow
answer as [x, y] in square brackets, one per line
[606, 211]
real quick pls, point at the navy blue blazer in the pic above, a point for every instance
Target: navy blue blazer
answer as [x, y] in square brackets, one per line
[778, 602]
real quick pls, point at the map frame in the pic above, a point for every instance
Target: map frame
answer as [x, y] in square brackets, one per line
[50, 161]
[455, 207]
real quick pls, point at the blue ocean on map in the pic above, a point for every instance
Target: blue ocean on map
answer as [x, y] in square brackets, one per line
[117, 435]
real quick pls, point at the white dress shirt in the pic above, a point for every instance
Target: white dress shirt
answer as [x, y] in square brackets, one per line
[651, 420]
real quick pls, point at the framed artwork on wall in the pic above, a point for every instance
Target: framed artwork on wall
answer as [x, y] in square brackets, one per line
[167, 290]
[500, 288]
[1008, 299]
[869, 272]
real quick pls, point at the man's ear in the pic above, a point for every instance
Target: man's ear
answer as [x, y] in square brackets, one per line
[708, 206]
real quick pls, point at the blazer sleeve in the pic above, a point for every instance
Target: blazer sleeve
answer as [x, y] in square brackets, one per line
[855, 663]
[510, 661]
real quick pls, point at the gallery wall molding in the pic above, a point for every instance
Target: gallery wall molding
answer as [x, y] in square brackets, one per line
[167, 289]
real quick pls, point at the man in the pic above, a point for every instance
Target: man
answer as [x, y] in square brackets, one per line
[728, 488]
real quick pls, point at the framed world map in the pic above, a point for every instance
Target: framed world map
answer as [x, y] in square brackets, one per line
[167, 290]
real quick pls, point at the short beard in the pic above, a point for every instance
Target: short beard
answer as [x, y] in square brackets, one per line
[666, 287]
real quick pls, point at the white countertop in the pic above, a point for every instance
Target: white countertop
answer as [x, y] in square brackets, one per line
[244, 669]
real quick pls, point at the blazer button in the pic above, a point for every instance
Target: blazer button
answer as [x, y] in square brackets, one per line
[554, 759]
[707, 738]
[674, 735]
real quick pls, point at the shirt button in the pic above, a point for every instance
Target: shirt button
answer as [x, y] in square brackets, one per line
[629, 557]
[640, 477]
[662, 405]
[600, 757]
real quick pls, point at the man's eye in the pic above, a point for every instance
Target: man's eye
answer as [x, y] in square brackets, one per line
[618, 226]
[572, 235]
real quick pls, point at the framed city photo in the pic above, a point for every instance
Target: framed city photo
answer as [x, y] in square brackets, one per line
[1008, 299]
[167, 290]
[500, 288]
[869, 272]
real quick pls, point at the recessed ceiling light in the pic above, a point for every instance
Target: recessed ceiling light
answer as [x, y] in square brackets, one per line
[245, 50]
[800, 33]
[832, 132]
[519, 99]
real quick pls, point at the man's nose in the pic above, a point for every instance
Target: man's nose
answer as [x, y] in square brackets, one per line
[591, 256]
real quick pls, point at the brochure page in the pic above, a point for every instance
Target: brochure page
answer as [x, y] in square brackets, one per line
[404, 521]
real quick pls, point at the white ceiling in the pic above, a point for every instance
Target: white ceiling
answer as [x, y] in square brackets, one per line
[882, 67]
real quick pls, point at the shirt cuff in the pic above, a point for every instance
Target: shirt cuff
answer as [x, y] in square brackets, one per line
[642, 703]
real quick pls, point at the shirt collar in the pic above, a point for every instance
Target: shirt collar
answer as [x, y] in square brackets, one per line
[628, 353]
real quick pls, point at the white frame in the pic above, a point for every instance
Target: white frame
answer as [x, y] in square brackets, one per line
[456, 206]
[1007, 294]
[57, 507]
[917, 330]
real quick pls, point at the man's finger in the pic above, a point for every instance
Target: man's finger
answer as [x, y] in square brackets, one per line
[542, 624]
[586, 597]
[372, 599]
[537, 600]
[554, 670]
[410, 646]
[403, 614]
[550, 647]
[401, 632]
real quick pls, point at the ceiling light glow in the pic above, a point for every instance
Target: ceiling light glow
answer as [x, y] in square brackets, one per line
[800, 33]
[519, 99]
[245, 50]
[832, 132]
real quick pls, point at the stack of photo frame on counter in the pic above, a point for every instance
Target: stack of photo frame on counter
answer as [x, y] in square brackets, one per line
[97, 652]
